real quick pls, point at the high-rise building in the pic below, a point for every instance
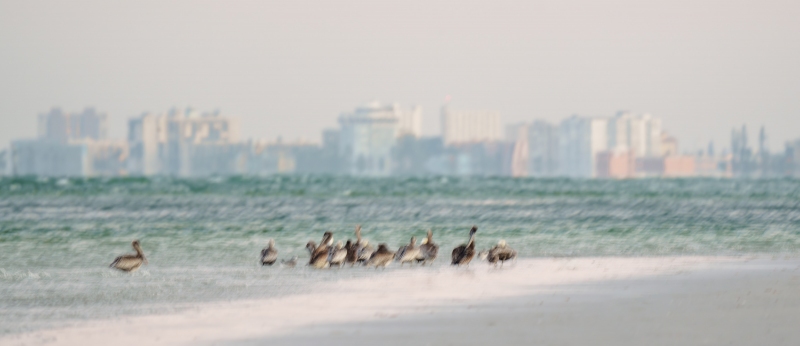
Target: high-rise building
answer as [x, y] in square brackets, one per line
[543, 149]
[470, 126]
[580, 140]
[517, 137]
[638, 133]
[366, 140]
[61, 127]
[184, 143]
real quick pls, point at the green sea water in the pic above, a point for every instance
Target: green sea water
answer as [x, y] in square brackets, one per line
[203, 236]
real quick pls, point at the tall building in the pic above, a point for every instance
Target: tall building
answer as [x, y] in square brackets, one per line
[62, 127]
[517, 137]
[366, 140]
[543, 149]
[580, 140]
[184, 143]
[638, 133]
[470, 126]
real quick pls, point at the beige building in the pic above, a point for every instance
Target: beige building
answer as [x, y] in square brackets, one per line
[470, 126]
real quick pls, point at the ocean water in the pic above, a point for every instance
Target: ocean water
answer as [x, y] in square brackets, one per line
[203, 236]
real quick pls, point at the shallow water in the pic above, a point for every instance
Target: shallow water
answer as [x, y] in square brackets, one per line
[202, 237]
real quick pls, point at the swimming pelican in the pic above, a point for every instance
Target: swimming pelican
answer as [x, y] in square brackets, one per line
[290, 263]
[129, 263]
[269, 255]
[501, 252]
[337, 255]
[408, 253]
[363, 250]
[428, 250]
[463, 253]
[381, 257]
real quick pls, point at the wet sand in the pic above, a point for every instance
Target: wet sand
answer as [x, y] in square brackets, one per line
[548, 301]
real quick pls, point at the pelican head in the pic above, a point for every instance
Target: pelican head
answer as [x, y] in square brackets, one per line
[473, 230]
[383, 247]
[311, 246]
[501, 243]
[413, 240]
[327, 239]
[339, 245]
[272, 243]
[138, 249]
[424, 241]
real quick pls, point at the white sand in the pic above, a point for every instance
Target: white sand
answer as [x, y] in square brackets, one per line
[552, 301]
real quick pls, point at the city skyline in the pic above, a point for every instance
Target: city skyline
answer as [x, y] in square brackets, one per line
[287, 68]
[410, 124]
[378, 139]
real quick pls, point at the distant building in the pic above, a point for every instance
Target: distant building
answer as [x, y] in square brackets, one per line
[49, 158]
[669, 145]
[61, 127]
[543, 149]
[639, 133]
[366, 140]
[184, 143]
[470, 126]
[517, 137]
[680, 166]
[616, 164]
[4, 165]
[419, 156]
[580, 140]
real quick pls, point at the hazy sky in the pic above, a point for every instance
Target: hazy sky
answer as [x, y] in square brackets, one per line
[289, 68]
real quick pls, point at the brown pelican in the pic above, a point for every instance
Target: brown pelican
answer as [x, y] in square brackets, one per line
[319, 254]
[269, 255]
[130, 263]
[289, 263]
[337, 255]
[428, 250]
[381, 257]
[363, 250]
[352, 252]
[408, 253]
[463, 253]
[501, 252]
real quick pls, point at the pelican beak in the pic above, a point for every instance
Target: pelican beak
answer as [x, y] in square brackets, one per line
[145, 260]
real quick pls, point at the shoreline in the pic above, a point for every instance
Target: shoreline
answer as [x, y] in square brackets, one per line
[394, 298]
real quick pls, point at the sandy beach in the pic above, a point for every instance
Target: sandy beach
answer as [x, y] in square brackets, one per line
[546, 301]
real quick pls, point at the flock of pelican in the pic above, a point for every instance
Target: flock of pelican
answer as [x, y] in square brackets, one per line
[360, 252]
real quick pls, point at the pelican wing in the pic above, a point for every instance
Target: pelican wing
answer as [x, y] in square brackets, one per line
[127, 263]
[269, 256]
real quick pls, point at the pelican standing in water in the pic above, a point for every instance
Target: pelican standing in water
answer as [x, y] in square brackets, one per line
[463, 254]
[364, 251]
[408, 253]
[501, 252]
[381, 257]
[428, 250]
[352, 252]
[337, 255]
[129, 263]
[319, 254]
[269, 255]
